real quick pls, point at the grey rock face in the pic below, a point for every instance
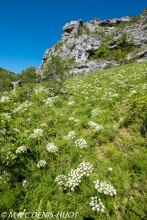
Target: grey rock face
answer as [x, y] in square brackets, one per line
[71, 28]
[110, 23]
[92, 66]
[79, 41]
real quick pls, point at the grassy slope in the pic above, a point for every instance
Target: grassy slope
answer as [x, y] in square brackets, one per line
[119, 95]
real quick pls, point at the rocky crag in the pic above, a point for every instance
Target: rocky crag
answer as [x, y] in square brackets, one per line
[80, 42]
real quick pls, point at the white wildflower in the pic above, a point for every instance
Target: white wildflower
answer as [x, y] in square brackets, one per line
[24, 182]
[96, 204]
[71, 119]
[71, 102]
[6, 115]
[95, 126]
[103, 187]
[74, 177]
[4, 99]
[23, 107]
[49, 102]
[71, 134]
[51, 148]
[37, 133]
[16, 130]
[41, 163]
[81, 143]
[21, 149]
[94, 113]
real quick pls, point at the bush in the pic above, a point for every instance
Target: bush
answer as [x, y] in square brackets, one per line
[102, 52]
[6, 77]
[54, 72]
[28, 75]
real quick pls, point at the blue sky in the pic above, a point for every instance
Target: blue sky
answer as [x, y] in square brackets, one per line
[29, 27]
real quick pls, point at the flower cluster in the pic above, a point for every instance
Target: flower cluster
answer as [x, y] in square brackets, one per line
[81, 143]
[94, 113]
[3, 131]
[71, 134]
[95, 126]
[23, 106]
[41, 89]
[24, 182]
[21, 149]
[73, 119]
[103, 187]
[6, 115]
[41, 163]
[37, 133]
[16, 130]
[61, 179]
[51, 148]
[71, 102]
[96, 204]
[75, 175]
[50, 100]
[4, 99]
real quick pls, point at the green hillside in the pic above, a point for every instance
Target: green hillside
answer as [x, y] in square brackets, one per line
[80, 154]
[6, 77]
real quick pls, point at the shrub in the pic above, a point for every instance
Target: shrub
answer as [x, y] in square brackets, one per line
[102, 52]
[54, 72]
[28, 75]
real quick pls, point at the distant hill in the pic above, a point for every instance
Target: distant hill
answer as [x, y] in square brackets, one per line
[5, 79]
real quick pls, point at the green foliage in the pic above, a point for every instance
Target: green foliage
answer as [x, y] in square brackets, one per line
[79, 32]
[72, 47]
[119, 52]
[28, 75]
[134, 19]
[107, 40]
[58, 45]
[54, 72]
[6, 77]
[102, 52]
[125, 42]
[115, 101]
[86, 29]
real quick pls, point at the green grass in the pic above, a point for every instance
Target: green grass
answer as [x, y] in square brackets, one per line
[119, 97]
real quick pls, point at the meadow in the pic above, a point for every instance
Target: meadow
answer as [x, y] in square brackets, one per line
[82, 150]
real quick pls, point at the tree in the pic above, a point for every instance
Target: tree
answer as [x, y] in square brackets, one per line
[54, 72]
[29, 75]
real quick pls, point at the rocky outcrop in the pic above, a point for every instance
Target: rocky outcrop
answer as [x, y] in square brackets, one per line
[92, 66]
[71, 28]
[80, 40]
[115, 21]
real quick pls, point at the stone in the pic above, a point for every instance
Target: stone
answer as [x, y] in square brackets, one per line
[69, 27]
[79, 41]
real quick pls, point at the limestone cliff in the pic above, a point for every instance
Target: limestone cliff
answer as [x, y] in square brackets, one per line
[81, 40]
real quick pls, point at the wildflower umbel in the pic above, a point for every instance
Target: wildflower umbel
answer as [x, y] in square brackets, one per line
[81, 143]
[95, 126]
[4, 99]
[37, 133]
[71, 134]
[103, 187]
[96, 204]
[21, 149]
[74, 177]
[41, 163]
[94, 113]
[51, 148]
[61, 179]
